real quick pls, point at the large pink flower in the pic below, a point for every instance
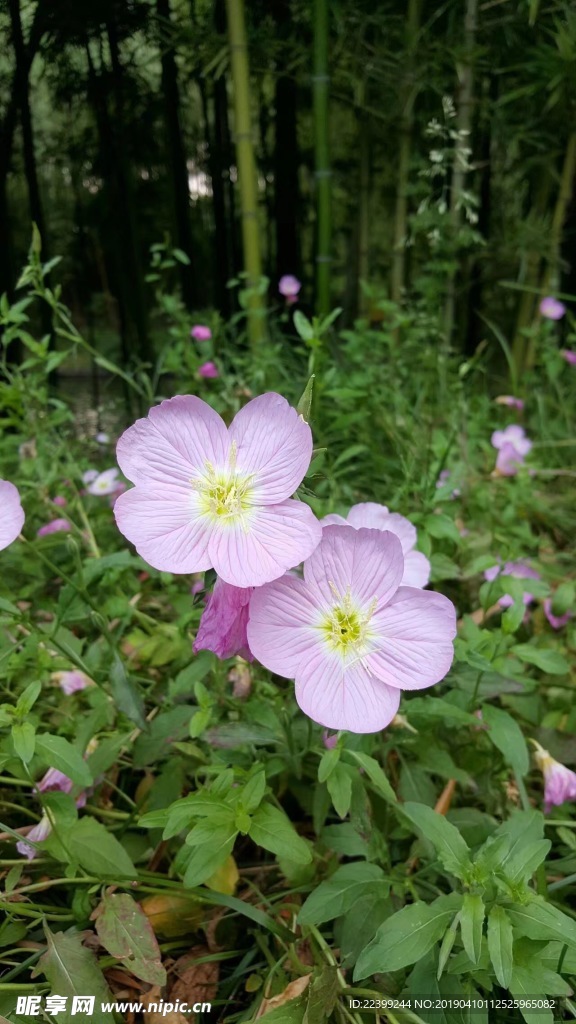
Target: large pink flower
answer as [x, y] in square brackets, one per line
[349, 635]
[377, 517]
[207, 496]
[11, 514]
[224, 622]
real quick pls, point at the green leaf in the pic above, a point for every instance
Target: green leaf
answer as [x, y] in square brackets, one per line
[471, 921]
[328, 762]
[407, 936]
[271, 829]
[210, 855]
[500, 944]
[72, 970]
[339, 785]
[24, 740]
[126, 695]
[60, 754]
[27, 699]
[98, 851]
[452, 851]
[522, 866]
[303, 326]
[549, 661]
[125, 931]
[522, 987]
[507, 736]
[305, 402]
[442, 527]
[540, 920]
[374, 773]
[253, 792]
[335, 896]
[446, 946]
[435, 709]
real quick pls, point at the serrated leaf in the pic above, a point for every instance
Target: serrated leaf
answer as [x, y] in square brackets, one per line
[60, 754]
[273, 830]
[125, 931]
[471, 922]
[451, 848]
[500, 944]
[72, 970]
[338, 893]
[407, 936]
[98, 851]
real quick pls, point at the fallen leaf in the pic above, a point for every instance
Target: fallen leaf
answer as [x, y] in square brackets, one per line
[126, 933]
[195, 982]
[292, 991]
[172, 916]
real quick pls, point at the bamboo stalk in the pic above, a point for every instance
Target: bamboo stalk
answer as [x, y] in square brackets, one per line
[245, 159]
[323, 171]
[407, 98]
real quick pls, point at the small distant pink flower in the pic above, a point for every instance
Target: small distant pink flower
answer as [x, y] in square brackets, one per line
[208, 370]
[349, 634]
[518, 569]
[559, 781]
[40, 831]
[104, 484]
[552, 309]
[89, 476]
[55, 526]
[72, 681]
[224, 622]
[289, 286]
[11, 514]
[377, 517]
[569, 355]
[208, 496]
[508, 461]
[200, 333]
[513, 435]
[556, 621]
[510, 401]
[59, 500]
[102, 437]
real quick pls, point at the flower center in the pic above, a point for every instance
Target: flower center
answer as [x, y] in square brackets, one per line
[222, 493]
[346, 627]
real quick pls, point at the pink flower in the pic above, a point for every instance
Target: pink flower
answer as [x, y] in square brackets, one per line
[512, 435]
[89, 476]
[55, 780]
[510, 401]
[569, 355]
[289, 286]
[329, 740]
[40, 831]
[508, 461]
[552, 309]
[104, 483]
[224, 622]
[208, 370]
[11, 514]
[349, 635]
[102, 437]
[200, 333]
[71, 682]
[518, 569]
[211, 497]
[377, 517]
[559, 781]
[55, 526]
[556, 621]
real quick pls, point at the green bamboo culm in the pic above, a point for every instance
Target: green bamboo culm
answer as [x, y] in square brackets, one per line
[323, 172]
[247, 179]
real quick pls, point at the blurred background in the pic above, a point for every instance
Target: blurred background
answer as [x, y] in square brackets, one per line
[410, 154]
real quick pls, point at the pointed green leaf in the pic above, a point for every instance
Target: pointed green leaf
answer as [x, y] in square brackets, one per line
[125, 931]
[451, 848]
[338, 893]
[407, 936]
[500, 944]
[72, 970]
[273, 830]
[471, 921]
[59, 753]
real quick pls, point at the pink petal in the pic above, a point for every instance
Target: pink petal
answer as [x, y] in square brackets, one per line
[369, 563]
[40, 831]
[275, 444]
[264, 544]
[342, 695]
[173, 442]
[334, 520]
[282, 626]
[11, 514]
[414, 634]
[416, 570]
[166, 530]
[224, 621]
